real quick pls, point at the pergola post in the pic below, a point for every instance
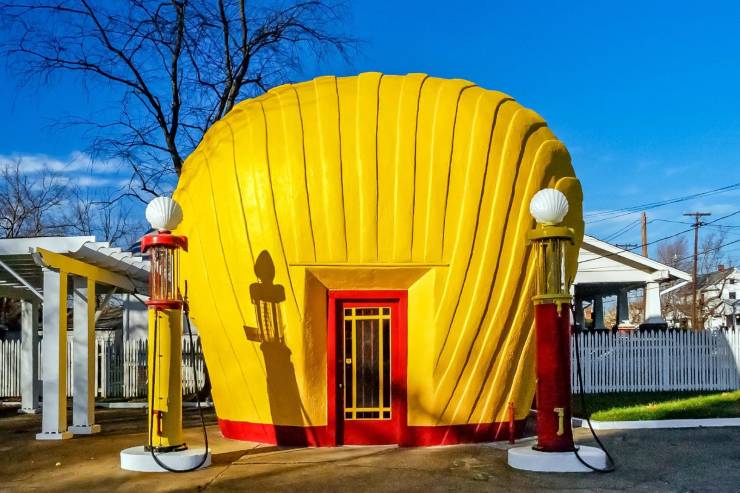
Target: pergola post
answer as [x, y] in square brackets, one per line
[83, 402]
[54, 418]
[30, 385]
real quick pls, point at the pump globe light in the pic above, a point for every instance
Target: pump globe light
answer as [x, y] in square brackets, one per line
[549, 206]
[163, 213]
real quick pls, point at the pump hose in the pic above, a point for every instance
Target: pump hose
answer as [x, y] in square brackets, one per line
[197, 393]
[611, 465]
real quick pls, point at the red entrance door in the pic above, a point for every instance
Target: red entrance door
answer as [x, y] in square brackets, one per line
[367, 366]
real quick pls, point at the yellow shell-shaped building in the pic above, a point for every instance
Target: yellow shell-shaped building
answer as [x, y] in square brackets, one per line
[358, 266]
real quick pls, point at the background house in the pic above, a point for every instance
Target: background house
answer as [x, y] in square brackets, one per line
[718, 296]
[623, 284]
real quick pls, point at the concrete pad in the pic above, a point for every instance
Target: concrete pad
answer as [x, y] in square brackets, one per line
[648, 461]
[529, 459]
[140, 460]
[277, 455]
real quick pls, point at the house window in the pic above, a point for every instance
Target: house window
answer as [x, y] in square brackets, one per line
[732, 281]
[732, 295]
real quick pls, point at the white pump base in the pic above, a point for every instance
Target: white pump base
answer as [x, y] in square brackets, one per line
[139, 459]
[528, 459]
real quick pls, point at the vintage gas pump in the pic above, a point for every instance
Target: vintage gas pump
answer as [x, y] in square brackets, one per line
[166, 449]
[555, 449]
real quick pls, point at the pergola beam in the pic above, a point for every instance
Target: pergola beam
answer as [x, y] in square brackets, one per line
[20, 279]
[17, 293]
[83, 269]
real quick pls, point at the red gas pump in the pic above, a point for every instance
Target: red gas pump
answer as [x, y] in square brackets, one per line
[554, 451]
[552, 338]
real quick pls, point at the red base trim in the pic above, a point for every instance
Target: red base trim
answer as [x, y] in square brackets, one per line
[294, 436]
[318, 436]
[455, 434]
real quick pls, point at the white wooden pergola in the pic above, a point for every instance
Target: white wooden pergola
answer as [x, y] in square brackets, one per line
[40, 272]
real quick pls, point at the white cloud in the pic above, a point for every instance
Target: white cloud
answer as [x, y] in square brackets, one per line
[75, 162]
[94, 181]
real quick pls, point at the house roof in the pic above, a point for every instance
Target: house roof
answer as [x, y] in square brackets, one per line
[600, 261]
[712, 278]
[22, 261]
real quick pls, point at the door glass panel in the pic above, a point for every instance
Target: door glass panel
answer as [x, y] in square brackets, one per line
[367, 369]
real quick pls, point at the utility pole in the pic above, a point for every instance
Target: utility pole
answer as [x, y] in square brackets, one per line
[644, 254]
[697, 223]
[644, 235]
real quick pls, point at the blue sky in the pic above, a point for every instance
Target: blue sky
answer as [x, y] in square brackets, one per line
[646, 95]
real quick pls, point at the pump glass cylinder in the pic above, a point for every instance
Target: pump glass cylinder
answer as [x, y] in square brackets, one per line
[550, 278]
[163, 277]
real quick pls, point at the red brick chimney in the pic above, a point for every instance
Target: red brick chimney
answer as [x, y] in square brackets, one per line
[721, 267]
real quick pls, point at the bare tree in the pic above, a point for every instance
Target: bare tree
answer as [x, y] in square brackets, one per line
[637, 307]
[712, 253]
[107, 219]
[713, 259]
[175, 66]
[675, 253]
[30, 204]
[711, 302]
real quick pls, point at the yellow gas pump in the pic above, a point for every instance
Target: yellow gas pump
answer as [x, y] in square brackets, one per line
[166, 449]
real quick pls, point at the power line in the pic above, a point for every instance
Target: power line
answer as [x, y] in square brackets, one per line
[622, 231]
[707, 250]
[627, 246]
[658, 240]
[718, 226]
[616, 213]
[650, 205]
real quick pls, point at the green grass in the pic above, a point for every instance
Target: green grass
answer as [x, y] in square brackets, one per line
[638, 406]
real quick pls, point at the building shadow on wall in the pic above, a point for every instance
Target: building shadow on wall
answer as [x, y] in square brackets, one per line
[282, 387]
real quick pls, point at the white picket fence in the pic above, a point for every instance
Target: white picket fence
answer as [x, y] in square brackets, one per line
[632, 362]
[10, 368]
[120, 367]
[658, 361]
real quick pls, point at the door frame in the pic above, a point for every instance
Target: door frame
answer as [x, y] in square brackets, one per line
[334, 367]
